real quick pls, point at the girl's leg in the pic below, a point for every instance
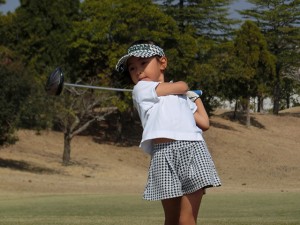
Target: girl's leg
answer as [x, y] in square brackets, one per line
[189, 209]
[172, 210]
[182, 210]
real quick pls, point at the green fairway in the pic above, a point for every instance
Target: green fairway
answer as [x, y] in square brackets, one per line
[217, 209]
[251, 209]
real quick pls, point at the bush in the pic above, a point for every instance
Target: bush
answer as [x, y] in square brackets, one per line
[15, 88]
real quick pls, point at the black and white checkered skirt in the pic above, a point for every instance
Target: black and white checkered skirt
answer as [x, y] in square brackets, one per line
[178, 168]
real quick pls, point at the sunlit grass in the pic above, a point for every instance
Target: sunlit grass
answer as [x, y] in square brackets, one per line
[251, 209]
[216, 209]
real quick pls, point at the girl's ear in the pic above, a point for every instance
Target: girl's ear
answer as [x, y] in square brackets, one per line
[163, 63]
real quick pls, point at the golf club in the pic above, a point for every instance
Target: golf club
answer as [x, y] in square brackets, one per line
[55, 84]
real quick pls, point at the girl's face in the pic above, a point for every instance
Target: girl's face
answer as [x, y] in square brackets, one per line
[147, 69]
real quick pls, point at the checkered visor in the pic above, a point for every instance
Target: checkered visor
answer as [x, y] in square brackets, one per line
[139, 50]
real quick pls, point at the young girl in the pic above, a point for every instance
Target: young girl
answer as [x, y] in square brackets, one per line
[181, 166]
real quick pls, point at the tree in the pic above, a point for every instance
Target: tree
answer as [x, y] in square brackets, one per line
[15, 86]
[75, 110]
[42, 29]
[279, 21]
[38, 33]
[7, 32]
[2, 2]
[256, 64]
[206, 26]
[209, 18]
[101, 34]
[106, 28]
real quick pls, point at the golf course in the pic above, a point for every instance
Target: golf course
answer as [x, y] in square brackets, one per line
[259, 167]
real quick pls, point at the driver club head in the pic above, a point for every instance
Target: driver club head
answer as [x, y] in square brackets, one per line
[55, 82]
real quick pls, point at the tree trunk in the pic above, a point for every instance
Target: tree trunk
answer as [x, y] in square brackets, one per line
[276, 97]
[235, 109]
[248, 122]
[288, 101]
[181, 19]
[67, 149]
[259, 101]
[276, 93]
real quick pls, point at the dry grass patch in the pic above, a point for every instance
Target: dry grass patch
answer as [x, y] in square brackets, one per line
[264, 157]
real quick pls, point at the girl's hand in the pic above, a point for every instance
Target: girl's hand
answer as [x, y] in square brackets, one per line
[193, 96]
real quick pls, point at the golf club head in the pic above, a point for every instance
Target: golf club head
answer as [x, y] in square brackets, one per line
[55, 82]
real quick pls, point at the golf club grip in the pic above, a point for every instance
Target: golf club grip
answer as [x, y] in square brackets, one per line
[198, 92]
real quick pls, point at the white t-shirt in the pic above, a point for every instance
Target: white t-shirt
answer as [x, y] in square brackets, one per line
[168, 116]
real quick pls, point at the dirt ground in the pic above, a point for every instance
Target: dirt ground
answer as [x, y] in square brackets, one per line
[263, 157]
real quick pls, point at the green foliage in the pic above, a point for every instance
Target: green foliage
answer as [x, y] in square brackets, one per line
[41, 29]
[15, 87]
[207, 18]
[250, 68]
[208, 71]
[279, 22]
[36, 111]
[203, 26]
[87, 38]
[7, 31]
[106, 29]
[258, 65]
[38, 32]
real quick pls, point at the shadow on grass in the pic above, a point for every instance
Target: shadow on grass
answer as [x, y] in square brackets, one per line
[24, 166]
[294, 114]
[239, 117]
[221, 126]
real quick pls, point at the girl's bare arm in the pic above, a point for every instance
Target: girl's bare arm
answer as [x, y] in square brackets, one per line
[201, 117]
[176, 88]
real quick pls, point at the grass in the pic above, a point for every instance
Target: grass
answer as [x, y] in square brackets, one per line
[251, 209]
[216, 209]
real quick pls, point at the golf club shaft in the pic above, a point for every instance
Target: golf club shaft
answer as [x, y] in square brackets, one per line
[96, 87]
[199, 92]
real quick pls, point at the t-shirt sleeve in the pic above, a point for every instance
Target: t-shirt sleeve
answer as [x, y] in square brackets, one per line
[144, 94]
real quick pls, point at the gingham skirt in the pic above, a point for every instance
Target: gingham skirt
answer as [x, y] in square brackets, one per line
[179, 168]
